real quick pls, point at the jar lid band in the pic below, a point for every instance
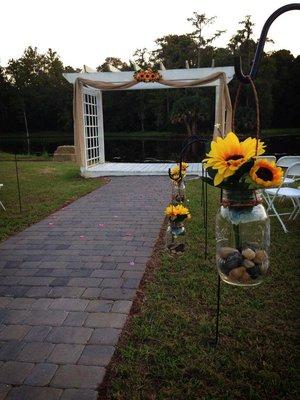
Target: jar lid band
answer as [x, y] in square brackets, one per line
[231, 203]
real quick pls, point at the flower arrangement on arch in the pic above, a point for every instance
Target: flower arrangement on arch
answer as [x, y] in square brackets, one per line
[147, 75]
[232, 164]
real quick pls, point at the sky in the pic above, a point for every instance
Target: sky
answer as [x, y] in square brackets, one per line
[86, 32]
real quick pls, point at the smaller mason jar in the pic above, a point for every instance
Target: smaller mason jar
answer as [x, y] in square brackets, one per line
[242, 238]
[178, 192]
[175, 237]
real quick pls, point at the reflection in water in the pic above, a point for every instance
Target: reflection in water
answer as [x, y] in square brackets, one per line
[147, 150]
[158, 150]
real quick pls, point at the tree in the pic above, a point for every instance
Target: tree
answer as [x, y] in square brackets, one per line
[42, 92]
[189, 110]
[7, 103]
[223, 56]
[115, 62]
[141, 57]
[174, 50]
[243, 35]
[244, 43]
[285, 89]
[200, 22]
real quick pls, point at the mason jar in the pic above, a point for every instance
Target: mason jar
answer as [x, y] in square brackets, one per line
[178, 192]
[242, 238]
[175, 237]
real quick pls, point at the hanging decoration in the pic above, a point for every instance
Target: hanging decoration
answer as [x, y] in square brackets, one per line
[177, 212]
[178, 183]
[240, 171]
[147, 75]
[242, 223]
[175, 240]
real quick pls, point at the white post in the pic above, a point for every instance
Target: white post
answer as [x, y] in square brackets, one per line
[100, 127]
[216, 107]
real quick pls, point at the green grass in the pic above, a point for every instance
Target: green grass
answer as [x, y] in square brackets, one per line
[45, 187]
[164, 353]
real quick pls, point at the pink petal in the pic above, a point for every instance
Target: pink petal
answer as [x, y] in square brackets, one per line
[131, 263]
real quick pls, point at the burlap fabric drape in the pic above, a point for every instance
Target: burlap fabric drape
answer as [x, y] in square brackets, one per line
[223, 112]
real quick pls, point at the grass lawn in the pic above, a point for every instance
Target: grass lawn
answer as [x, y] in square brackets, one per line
[164, 353]
[45, 187]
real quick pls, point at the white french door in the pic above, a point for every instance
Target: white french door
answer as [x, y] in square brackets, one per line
[93, 127]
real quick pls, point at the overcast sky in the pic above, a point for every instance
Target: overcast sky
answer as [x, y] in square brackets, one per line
[86, 32]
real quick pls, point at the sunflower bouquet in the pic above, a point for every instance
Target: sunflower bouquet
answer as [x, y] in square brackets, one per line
[178, 184]
[147, 75]
[177, 213]
[175, 171]
[242, 223]
[175, 239]
[234, 165]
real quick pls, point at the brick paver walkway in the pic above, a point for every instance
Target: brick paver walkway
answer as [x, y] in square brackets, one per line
[67, 285]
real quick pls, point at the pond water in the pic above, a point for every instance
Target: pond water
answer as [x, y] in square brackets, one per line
[158, 150]
[169, 150]
[150, 150]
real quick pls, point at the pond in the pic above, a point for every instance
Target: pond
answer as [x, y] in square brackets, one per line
[147, 150]
[139, 150]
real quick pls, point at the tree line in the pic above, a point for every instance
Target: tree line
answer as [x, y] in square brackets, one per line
[34, 92]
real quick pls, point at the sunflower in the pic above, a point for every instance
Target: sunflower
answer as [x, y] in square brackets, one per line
[184, 165]
[181, 210]
[175, 211]
[229, 154]
[170, 211]
[175, 172]
[265, 173]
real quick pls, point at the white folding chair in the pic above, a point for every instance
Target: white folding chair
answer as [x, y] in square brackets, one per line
[268, 158]
[284, 193]
[286, 162]
[1, 204]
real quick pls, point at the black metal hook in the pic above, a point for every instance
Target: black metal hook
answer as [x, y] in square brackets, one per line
[185, 145]
[260, 47]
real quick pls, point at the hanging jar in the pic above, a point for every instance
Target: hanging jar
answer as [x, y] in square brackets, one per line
[175, 237]
[242, 238]
[175, 234]
[178, 191]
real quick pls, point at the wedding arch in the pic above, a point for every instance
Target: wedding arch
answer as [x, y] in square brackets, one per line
[88, 110]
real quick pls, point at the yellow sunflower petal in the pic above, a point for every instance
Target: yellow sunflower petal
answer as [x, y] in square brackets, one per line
[218, 179]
